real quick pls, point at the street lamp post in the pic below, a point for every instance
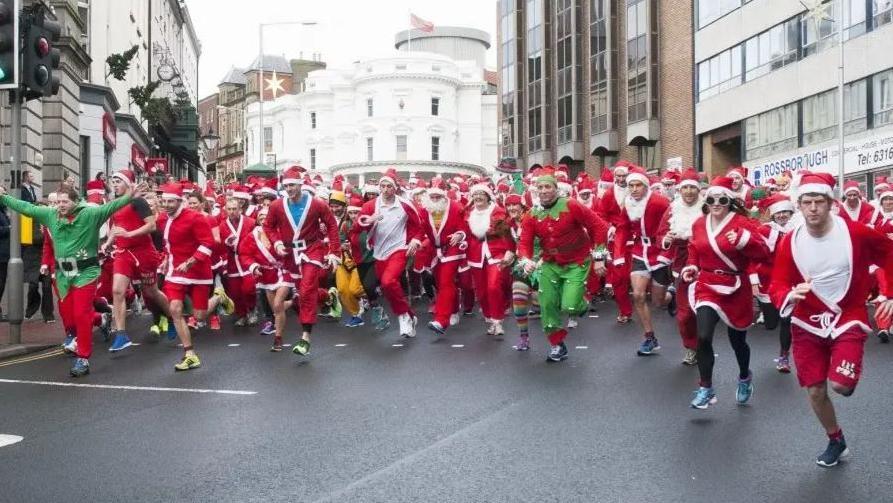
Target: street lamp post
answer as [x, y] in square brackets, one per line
[260, 78]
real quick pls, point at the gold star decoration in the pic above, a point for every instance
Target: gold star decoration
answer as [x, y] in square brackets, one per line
[275, 84]
[817, 10]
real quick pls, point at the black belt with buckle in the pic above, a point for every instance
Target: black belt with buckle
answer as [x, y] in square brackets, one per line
[81, 264]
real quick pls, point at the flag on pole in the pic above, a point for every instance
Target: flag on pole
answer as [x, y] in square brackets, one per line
[420, 24]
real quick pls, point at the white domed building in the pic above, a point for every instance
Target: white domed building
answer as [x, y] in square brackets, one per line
[421, 112]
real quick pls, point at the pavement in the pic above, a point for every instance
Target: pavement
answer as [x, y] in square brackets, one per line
[371, 417]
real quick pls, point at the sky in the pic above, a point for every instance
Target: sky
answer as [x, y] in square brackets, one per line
[347, 30]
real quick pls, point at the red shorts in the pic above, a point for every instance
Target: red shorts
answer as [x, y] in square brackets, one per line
[197, 293]
[140, 265]
[271, 278]
[818, 359]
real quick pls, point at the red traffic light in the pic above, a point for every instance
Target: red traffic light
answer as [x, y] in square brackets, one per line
[42, 46]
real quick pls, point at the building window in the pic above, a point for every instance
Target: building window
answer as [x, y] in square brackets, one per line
[598, 67]
[771, 132]
[711, 10]
[268, 139]
[883, 98]
[401, 148]
[820, 117]
[882, 12]
[535, 43]
[85, 158]
[772, 49]
[564, 30]
[435, 106]
[435, 148]
[312, 158]
[818, 35]
[855, 107]
[312, 120]
[508, 75]
[369, 149]
[369, 107]
[637, 59]
[719, 73]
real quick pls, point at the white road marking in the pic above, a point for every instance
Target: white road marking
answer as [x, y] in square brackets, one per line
[233, 345]
[397, 345]
[135, 344]
[340, 345]
[582, 347]
[9, 439]
[458, 346]
[130, 388]
[286, 345]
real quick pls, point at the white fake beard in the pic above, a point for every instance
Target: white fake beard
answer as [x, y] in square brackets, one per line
[479, 221]
[635, 210]
[432, 207]
[619, 194]
[683, 217]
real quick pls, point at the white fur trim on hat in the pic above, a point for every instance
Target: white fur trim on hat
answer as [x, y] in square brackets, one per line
[852, 189]
[387, 179]
[242, 195]
[886, 193]
[482, 188]
[688, 183]
[815, 188]
[785, 205]
[291, 181]
[122, 177]
[714, 190]
[640, 177]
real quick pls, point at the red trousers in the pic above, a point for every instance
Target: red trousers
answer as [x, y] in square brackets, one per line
[620, 282]
[78, 306]
[389, 272]
[243, 291]
[466, 286]
[489, 283]
[310, 295]
[446, 302]
[686, 320]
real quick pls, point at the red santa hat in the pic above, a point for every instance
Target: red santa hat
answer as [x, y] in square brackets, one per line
[268, 188]
[740, 171]
[355, 203]
[515, 199]
[481, 187]
[688, 178]
[607, 178]
[95, 188]
[637, 174]
[622, 167]
[370, 187]
[585, 185]
[655, 182]
[852, 186]
[210, 189]
[771, 183]
[125, 175]
[816, 183]
[292, 175]
[307, 185]
[420, 186]
[671, 177]
[172, 190]
[503, 188]
[881, 184]
[561, 173]
[776, 203]
[338, 183]
[721, 186]
[241, 192]
[437, 187]
[390, 176]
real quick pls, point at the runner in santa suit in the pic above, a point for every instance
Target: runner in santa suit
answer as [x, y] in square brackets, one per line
[882, 221]
[881, 185]
[394, 233]
[821, 280]
[636, 231]
[586, 195]
[299, 226]
[740, 186]
[854, 208]
[218, 297]
[611, 209]
[240, 282]
[780, 210]
[523, 285]
[446, 233]
[724, 243]
[188, 242]
[566, 232]
[491, 253]
[674, 235]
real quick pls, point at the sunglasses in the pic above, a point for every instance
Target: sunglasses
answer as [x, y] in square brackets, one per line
[721, 200]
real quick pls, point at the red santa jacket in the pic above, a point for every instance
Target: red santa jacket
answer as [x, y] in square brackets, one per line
[436, 246]
[366, 223]
[187, 234]
[567, 232]
[678, 219]
[231, 235]
[304, 236]
[761, 270]
[863, 247]
[256, 251]
[47, 256]
[490, 236]
[862, 214]
[641, 236]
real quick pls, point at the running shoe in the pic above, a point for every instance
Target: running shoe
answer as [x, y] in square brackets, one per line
[648, 347]
[241, 322]
[523, 343]
[188, 362]
[783, 364]
[192, 323]
[491, 326]
[704, 397]
[672, 308]
[455, 318]
[407, 325]
[155, 333]
[277, 345]
[498, 331]
[884, 336]
[302, 347]
[533, 314]
[70, 345]
[436, 327]
[80, 368]
[120, 343]
[377, 313]
[835, 451]
[572, 323]
[268, 328]
[252, 319]
[214, 322]
[137, 305]
[225, 301]
[354, 321]
[557, 353]
[171, 331]
[745, 390]
[105, 325]
[623, 320]
[690, 357]
[162, 324]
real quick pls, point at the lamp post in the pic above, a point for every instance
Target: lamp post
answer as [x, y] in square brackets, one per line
[260, 78]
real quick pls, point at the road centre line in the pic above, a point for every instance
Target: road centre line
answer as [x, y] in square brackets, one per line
[129, 388]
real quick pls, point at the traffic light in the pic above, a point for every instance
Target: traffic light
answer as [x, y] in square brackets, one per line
[40, 58]
[9, 44]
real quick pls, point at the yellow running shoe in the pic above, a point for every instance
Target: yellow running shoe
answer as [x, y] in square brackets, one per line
[162, 324]
[225, 302]
[189, 362]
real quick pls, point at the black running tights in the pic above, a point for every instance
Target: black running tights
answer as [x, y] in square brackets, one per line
[707, 320]
[771, 320]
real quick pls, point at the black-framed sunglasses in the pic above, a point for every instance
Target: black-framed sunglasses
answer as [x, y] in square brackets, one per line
[721, 200]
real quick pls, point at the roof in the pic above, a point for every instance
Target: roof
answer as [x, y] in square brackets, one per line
[491, 77]
[235, 76]
[271, 63]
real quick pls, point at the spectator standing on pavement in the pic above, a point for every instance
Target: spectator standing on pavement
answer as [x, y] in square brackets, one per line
[4, 253]
[40, 288]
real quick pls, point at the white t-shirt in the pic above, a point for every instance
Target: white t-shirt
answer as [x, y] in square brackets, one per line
[824, 260]
[390, 233]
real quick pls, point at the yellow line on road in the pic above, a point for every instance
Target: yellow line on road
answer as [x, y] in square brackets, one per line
[30, 358]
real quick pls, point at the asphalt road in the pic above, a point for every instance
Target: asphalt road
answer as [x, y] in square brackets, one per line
[363, 420]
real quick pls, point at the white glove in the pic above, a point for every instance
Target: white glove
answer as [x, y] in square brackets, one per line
[333, 260]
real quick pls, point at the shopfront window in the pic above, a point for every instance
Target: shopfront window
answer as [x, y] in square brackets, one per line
[820, 117]
[771, 132]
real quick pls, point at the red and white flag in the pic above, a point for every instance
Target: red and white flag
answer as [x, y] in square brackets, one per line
[420, 24]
